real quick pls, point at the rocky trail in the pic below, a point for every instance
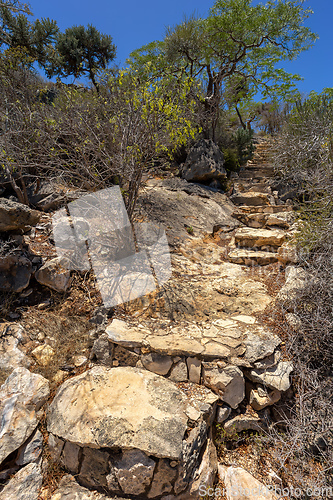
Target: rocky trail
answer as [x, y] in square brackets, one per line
[137, 395]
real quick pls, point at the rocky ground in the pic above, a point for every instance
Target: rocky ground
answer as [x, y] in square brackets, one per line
[155, 398]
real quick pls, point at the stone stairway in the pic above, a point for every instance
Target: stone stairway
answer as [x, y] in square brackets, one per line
[144, 412]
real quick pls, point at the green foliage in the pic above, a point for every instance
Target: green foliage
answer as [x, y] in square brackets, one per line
[237, 41]
[16, 31]
[81, 50]
[244, 144]
[231, 160]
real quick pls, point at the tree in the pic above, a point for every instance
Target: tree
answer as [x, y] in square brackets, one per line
[81, 50]
[236, 39]
[16, 31]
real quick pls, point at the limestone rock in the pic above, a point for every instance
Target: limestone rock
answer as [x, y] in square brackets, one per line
[15, 273]
[275, 377]
[43, 354]
[175, 345]
[260, 344]
[54, 275]
[94, 468]
[282, 219]
[11, 357]
[120, 333]
[179, 372]
[194, 370]
[69, 489]
[296, 280]
[163, 480]
[16, 216]
[92, 409]
[204, 162]
[206, 473]
[251, 199]
[55, 446]
[31, 450]
[242, 422]
[252, 258]
[156, 363]
[26, 484]
[228, 382]
[222, 413]
[22, 394]
[287, 254]
[134, 471]
[248, 237]
[260, 398]
[70, 457]
[241, 485]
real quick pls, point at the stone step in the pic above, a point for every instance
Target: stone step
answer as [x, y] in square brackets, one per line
[259, 238]
[251, 198]
[259, 220]
[252, 258]
[268, 209]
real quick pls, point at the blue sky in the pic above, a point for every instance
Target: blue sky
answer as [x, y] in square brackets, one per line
[136, 22]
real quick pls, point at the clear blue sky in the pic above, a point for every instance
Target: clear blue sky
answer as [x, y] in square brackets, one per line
[133, 23]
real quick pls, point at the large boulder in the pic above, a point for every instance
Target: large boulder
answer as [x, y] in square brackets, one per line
[120, 407]
[25, 484]
[204, 163]
[16, 216]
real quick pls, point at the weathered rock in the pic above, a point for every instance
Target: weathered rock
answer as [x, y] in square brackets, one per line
[206, 473]
[228, 382]
[204, 162]
[55, 446]
[222, 413]
[257, 238]
[26, 484]
[252, 258]
[283, 219]
[134, 471]
[54, 275]
[260, 344]
[275, 377]
[94, 468]
[102, 351]
[156, 363]
[251, 199]
[43, 354]
[31, 450]
[294, 321]
[287, 254]
[22, 394]
[241, 485]
[261, 398]
[92, 409]
[15, 273]
[16, 216]
[69, 489]
[163, 480]
[179, 372]
[242, 422]
[120, 333]
[70, 457]
[296, 280]
[11, 357]
[175, 345]
[194, 370]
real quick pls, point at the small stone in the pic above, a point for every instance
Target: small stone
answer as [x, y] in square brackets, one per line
[31, 450]
[134, 471]
[179, 372]
[275, 377]
[192, 413]
[227, 382]
[157, 363]
[70, 457]
[259, 398]
[26, 484]
[163, 480]
[242, 423]
[79, 361]
[194, 370]
[222, 413]
[55, 446]
[43, 354]
[53, 275]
